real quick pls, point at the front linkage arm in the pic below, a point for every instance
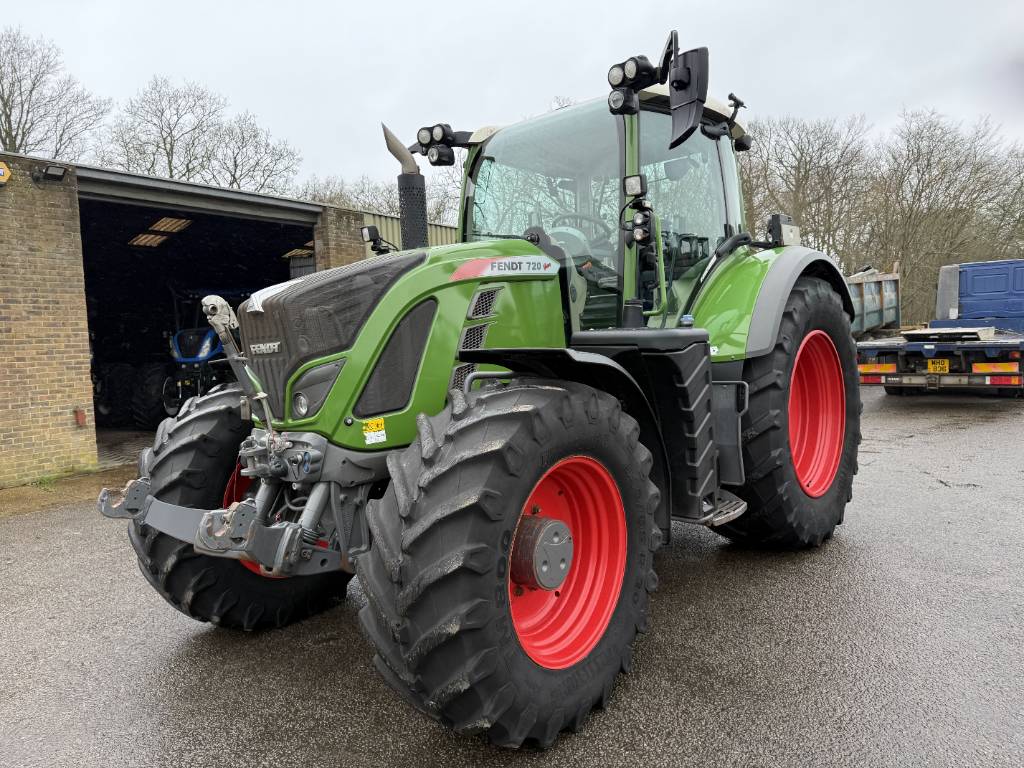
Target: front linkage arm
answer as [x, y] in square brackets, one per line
[338, 481]
[236, 532]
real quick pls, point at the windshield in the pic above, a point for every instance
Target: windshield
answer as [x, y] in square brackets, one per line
[560, 172]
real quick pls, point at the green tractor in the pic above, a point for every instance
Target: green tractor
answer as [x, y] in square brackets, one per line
[498, 435]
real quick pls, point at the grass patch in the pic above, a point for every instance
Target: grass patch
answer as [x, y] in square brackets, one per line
[46, 483]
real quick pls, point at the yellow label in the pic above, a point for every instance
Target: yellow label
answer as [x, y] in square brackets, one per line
[995, 368]
[5, 173]
[374, 432]
[877, 367]
[373, 425]
[938, 365]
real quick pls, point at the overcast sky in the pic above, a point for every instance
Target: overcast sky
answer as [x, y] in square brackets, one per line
[325, 74]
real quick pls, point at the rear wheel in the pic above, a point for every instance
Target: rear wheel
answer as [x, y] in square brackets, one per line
[802, 428]
[148, 397]
[171, 397]
[115, 388]
[511, 560]
[192, 463]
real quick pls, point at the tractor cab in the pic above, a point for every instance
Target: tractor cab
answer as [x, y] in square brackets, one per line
[564, 172]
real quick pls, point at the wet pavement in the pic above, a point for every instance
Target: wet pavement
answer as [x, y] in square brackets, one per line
[900, 642]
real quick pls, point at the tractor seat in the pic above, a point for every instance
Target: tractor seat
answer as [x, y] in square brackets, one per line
[644, 339]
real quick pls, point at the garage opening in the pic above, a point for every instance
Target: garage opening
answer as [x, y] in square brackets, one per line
[146, 270]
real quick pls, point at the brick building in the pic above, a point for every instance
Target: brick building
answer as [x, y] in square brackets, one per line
[87, 259]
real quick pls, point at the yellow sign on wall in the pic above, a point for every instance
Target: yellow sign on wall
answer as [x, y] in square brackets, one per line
[5, 173]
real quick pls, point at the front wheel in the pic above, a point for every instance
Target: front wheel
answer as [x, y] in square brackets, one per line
[802, 427]
[193, 463]
[511, 560]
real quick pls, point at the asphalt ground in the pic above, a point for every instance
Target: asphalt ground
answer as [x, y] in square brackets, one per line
[898, 643]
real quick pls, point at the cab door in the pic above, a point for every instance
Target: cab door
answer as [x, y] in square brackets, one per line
[694, 192]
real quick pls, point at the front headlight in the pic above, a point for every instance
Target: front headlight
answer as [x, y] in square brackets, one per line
[312, 387]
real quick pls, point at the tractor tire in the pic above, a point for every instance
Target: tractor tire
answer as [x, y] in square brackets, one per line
[455, 630]
[191, 463]
[116, 388]
[802, 426]
[148, 398]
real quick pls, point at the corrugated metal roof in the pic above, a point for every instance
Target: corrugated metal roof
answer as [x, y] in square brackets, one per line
[391, 230]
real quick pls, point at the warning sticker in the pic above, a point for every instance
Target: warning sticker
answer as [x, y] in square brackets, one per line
[374, 432]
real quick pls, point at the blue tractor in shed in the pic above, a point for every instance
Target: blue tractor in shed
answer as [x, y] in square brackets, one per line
[197, 362]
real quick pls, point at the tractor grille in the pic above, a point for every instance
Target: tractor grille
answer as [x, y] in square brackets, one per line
[459, 375]
[483, 304]
[390, 385]
[473, 337]
[313, 316]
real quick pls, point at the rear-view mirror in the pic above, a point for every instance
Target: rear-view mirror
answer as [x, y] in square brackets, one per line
[687, 90]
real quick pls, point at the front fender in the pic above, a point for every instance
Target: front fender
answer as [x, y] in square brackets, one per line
[607, 375]
[742, 304]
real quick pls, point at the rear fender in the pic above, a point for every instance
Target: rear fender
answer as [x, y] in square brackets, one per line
[607, 375]
[742, 304]
[792, 263]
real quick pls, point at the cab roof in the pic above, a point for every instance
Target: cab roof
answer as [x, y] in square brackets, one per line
[713, 108]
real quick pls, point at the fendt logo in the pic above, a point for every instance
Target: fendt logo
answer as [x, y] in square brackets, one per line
[524, 266]
[266, 348]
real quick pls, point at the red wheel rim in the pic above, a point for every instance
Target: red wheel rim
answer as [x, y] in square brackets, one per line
[817, 413]
[235, 491]
[558, 628]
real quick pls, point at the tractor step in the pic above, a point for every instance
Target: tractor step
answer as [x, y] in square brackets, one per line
[727, 511]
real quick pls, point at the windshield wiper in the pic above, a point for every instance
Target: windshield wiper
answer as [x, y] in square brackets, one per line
[496, 236]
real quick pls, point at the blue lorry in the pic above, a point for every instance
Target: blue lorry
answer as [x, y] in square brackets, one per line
[974, 343]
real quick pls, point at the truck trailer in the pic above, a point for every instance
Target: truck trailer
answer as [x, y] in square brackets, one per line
[974, 343]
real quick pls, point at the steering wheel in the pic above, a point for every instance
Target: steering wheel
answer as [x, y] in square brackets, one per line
[605, 229]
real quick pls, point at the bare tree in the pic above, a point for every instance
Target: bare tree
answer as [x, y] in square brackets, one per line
[817, 171]
[444, 189]
[246, 156]
[324, 189]
[941, 194]
[43, 110]
[165, 130]
[929, 193]
[183, 132]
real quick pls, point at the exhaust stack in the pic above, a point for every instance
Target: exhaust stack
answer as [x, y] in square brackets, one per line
[412, 194]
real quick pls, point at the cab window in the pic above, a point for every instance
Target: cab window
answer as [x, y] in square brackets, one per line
[685, 187]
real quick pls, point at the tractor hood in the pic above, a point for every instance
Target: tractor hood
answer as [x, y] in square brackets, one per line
[286, 324]
[289, 324]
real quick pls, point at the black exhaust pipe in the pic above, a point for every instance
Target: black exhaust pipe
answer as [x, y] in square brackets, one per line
[412, 194]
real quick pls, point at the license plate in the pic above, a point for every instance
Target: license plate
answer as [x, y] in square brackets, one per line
[938, 366]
